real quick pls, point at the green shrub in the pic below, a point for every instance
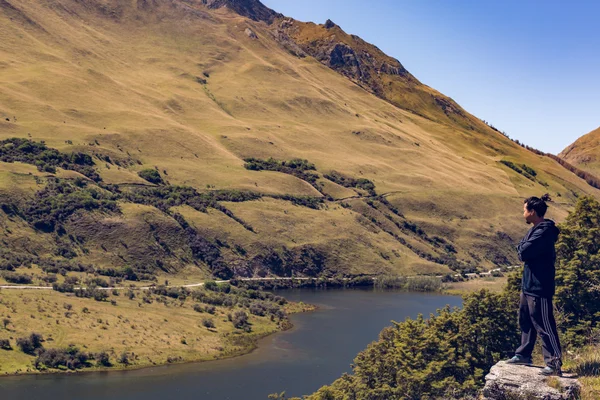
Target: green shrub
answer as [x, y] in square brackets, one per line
[210, 309]
[258, 309]
[447, 354]
[103, 359]
[151, 175]
[304, 201]
[71, 358]
[60, 199]
[45, 158]
[198, 308]
[349, 182]
[96, 294]
[239, 319]
[63, 287]
[529, 170]
[297, 167]
[31, 343]
[522, 169]
[5, 344]
[578, 271]
[208, 323]
[20, 279]
[512, 166]
[124, 358]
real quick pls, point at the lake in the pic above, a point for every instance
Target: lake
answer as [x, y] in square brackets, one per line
[318, 350]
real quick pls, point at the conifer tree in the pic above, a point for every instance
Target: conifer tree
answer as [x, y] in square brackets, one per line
[578, 271]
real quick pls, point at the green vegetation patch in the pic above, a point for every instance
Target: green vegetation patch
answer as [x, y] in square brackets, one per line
[46, 159]
[591, 179]
[297, 167]
[50, 209]
[237, 314]
[578, 272]
[525, 170]
[522, 169]
[441, 357]
[304, 201]
[349, 182]
[448, 355]
[151, 175]
[60, 199]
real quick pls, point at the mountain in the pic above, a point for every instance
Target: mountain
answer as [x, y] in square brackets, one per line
[362, 62]
[196, 138]
[375, 71]
[585, 152]
[252, 9]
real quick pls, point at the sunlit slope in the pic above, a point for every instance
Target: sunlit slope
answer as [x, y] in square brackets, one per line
[585, 152]
[187, 90]
[366, 65]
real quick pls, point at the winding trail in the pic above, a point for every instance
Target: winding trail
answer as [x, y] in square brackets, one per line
[192, 285]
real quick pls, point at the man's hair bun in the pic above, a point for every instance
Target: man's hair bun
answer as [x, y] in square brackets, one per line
[546, 197]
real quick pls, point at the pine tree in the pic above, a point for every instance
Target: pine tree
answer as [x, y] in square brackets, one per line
[578, 271]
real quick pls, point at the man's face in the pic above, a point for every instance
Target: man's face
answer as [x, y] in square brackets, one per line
[529, 215]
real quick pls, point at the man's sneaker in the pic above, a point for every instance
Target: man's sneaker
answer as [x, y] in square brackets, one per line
[520, 360]
[551, 371]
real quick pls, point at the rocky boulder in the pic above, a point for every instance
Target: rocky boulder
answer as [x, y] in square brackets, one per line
[519, 382]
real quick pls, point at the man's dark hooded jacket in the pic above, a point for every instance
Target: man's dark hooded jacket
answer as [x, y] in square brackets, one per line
[537, 251]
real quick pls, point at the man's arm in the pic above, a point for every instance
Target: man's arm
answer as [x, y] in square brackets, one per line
[534, 246]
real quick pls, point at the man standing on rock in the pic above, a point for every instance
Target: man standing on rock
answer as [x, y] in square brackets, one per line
[536, 316]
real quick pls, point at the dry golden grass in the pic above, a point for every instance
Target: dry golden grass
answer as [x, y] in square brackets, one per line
[493, 284]
[586, 364]
[153, 332]
[129, 83]
[585, 152]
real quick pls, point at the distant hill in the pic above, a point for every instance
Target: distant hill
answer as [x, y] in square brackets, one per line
[585, 152]
[198, 138]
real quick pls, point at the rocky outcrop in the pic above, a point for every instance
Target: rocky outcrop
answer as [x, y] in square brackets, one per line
[519, 382]
[252, 9]
[329, 24]
[250, 33]
[288, 43]
[344, 59]
[361, 62]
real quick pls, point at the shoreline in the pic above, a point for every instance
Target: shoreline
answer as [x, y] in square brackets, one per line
[253, 345]
[242, 352]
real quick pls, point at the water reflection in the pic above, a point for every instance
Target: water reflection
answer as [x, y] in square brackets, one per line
[319, 348]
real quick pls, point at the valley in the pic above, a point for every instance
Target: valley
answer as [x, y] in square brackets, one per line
[158, 144]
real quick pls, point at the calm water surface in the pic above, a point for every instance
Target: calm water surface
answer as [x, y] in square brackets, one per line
[318, 350]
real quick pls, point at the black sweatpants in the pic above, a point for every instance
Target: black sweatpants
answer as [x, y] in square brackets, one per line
[536, 318]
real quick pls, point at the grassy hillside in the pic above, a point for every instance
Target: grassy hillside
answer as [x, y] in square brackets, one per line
[585, 152]
[375, 71]
[170, 99]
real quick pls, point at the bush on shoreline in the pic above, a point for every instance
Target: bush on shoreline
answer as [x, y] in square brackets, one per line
[70, 358]
[31, 343]
[448, 355]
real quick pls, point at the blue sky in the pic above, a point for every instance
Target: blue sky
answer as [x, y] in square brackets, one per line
[531, 68]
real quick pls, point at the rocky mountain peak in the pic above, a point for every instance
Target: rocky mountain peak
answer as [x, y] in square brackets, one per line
[329, 24]
[252, 9]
